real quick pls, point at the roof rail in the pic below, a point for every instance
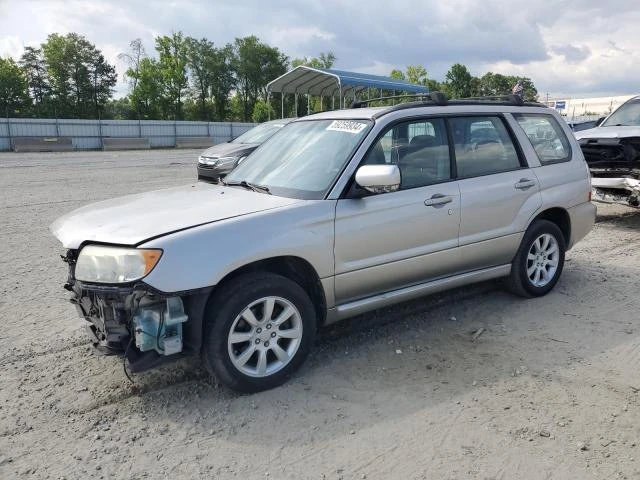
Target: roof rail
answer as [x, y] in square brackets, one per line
[363, 103]
[439, 99]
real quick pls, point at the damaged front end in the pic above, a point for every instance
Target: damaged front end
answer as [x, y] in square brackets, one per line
[615, 169]
[134, 320]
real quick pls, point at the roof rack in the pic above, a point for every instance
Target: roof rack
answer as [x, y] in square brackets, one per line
[436, 97]
[440, 99]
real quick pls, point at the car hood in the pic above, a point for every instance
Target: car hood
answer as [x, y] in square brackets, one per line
[229, 149]
[133, 219]
[608, 132]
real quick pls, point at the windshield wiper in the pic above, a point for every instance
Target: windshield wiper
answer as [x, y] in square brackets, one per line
[249, 186]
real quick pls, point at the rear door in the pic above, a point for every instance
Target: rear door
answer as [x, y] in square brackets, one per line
[498, 190]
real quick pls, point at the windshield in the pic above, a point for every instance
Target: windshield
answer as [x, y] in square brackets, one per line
[303, 159]
[260, 133]
[627, 115]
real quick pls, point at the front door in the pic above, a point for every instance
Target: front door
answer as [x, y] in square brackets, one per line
[396, 239]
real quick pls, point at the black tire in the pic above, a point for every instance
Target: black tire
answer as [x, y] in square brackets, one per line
[518, 281]
[223, 309]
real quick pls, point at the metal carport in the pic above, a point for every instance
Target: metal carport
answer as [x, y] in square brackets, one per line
[327, 82]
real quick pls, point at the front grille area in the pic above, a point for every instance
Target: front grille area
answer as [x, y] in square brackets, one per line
[607, 156]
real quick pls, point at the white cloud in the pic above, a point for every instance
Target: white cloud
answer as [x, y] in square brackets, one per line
[10, 46]
[576, 46]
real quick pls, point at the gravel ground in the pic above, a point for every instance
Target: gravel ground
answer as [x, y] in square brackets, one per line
[549, 390]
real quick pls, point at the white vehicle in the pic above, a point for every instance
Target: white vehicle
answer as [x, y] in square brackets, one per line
[612, 151]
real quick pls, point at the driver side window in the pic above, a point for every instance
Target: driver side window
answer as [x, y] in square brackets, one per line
[419, 148]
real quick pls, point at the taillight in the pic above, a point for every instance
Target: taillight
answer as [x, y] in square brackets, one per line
[589, 195]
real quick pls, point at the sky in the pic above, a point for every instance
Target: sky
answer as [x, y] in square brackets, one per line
[578, 48]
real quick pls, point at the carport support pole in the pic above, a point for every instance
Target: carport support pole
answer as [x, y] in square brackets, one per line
[9, 130]
[295, 96]
[175, 131]
[282, 104]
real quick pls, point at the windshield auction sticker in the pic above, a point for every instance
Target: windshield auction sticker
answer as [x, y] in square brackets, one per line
[347, 126]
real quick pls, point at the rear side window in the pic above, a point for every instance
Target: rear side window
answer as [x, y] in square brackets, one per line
[546, 136]
[483, 146]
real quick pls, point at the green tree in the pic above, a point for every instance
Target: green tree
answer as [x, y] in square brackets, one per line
[173, 52]
[81, 80]
[133, 58]
[417, 74]
[324, 60]
[14, 92]
[146, 97]
[496, 84]
[397, 74]
[256, 64]
[35, 70]
[201, 58]
[119, 109]
[224, 81]
[458, 82]
[103, 78]
[262, 111]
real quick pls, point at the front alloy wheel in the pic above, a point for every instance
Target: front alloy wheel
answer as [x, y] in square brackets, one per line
[260, 329]
[265, 336]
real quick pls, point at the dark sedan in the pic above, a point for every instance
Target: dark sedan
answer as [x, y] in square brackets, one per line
[217, 161]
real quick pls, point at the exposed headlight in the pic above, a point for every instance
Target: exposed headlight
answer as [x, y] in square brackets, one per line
[207, 161]
[226, 161]
[102, 264]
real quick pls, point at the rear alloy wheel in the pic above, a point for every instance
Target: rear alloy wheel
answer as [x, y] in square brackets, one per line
[542, 260]
[260, 328]
[538, 264]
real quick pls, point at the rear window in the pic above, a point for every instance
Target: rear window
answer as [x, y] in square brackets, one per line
[483, 146]
[546, 136]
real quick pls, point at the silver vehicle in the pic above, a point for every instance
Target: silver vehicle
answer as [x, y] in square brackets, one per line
[217, 161]
[337, 214]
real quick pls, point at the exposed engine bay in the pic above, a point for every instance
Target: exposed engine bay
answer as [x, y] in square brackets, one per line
[615, 169]
[612, 151]
[144, 326]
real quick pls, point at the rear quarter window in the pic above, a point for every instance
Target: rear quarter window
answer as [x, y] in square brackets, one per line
[546, 137]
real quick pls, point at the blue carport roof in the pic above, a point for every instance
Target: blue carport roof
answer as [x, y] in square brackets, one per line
[321, 81]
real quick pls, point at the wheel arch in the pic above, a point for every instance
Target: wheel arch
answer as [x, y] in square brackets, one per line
[560, 217]
[292, 267]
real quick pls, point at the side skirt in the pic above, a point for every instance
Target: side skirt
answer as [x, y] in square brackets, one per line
[346, 310]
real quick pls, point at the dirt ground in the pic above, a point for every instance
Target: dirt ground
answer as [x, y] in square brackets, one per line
[550, 390]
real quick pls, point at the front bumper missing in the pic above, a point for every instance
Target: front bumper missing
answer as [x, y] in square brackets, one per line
[622, 191]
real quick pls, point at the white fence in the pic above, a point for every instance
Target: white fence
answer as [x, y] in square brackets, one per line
[88, 134]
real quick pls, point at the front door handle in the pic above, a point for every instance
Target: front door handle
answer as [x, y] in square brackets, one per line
[438, 200]
[524, 183]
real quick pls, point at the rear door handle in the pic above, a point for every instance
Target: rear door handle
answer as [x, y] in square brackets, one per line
[524, 183]
[438, 200]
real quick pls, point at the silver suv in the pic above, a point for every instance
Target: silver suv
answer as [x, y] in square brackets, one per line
[337, 214]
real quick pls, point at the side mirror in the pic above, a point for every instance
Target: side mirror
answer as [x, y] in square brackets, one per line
[599, 121]
[378, 178]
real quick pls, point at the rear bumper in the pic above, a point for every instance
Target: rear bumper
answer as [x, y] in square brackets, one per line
[582, 218]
